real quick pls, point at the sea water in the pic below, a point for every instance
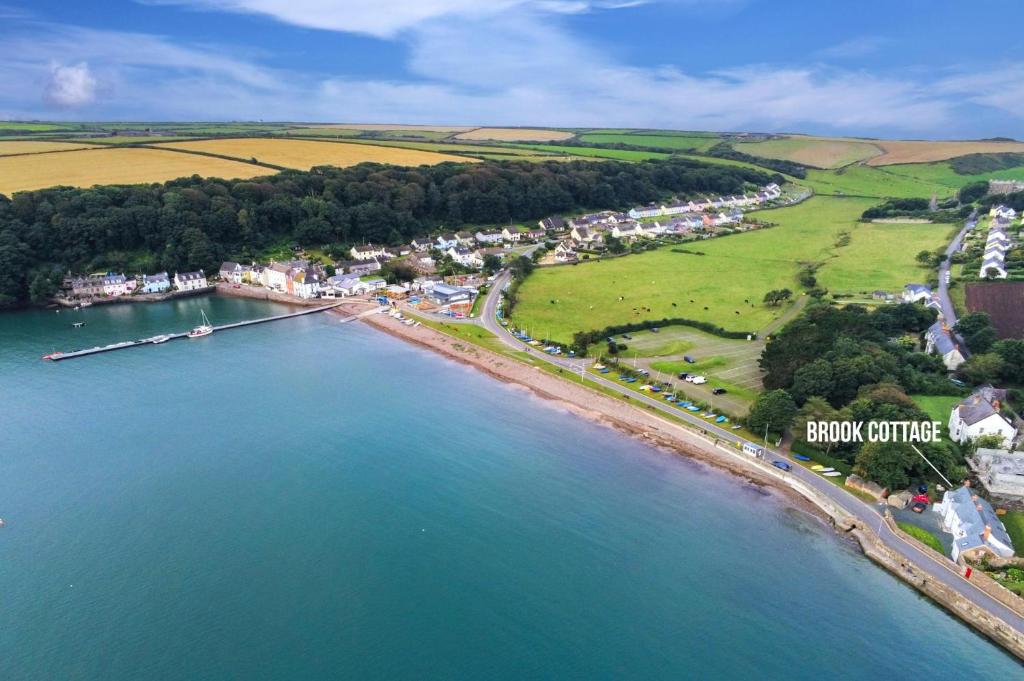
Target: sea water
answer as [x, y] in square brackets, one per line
[314, 500]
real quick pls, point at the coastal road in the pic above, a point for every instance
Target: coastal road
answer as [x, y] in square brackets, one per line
[948, 311]
[945, 572]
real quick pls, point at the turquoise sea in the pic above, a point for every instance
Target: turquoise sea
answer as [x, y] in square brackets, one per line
[312, 500]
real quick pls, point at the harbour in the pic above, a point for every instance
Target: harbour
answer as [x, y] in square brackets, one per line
[162, 338]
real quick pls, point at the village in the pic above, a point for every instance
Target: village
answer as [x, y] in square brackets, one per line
[470, 256]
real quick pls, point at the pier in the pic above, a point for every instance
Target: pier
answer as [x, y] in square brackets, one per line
[124, 345]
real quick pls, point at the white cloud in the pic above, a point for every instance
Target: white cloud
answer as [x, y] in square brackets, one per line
[519, 68]
[387, 18]
[71, 86]
[853, 48]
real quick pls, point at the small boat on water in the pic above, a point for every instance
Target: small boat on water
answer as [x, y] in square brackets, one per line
[204, 329]
[162, 338]
[85, 303]
[53, 355]
[78, 325]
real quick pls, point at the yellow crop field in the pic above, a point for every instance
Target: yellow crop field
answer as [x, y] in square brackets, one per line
[812, 151]
[389, 126]
[8, 148]
[515, 135]
[113, 166]
[304, 154]
[926, 152]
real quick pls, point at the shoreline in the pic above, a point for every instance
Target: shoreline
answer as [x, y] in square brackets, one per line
[661, 433]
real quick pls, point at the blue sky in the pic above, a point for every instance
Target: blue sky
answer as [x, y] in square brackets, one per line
[901, 68]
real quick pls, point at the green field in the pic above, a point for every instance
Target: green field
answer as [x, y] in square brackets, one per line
[942, 174]
[923, 536]
[732, 277]
[880, 256]
[861, 180]
[819, 153]
[656, 141]
[936, 406]
[1014, 523]
[617, 154]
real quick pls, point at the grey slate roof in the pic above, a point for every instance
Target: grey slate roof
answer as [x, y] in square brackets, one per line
[940, 337]
[974, 520]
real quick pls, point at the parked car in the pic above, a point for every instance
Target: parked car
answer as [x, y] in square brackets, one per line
[719, 391]
[689, 360]
[655, 329]
[782, 465]
[683, 374]
[627, 336]
[697, 380]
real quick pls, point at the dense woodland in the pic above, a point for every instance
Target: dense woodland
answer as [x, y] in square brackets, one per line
[850, 364]
[194, 223]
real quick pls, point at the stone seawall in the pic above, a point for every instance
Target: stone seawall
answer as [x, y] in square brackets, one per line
[981, 620]
[261, 293]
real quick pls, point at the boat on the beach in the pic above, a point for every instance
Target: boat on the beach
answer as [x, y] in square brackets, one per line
[832, 474]
[204, 329]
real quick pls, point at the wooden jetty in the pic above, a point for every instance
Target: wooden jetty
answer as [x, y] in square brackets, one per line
[124, 345]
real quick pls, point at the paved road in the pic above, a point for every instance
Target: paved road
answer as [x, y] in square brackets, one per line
[945, 572]
[948, 312]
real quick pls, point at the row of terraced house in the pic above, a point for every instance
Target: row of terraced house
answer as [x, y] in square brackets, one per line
[115, 285]
[993, 262]
[702, 215]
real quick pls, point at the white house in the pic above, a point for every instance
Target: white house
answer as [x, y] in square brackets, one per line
[627, 230]
[913, 293]
[115, 285]
[993, 265]
[190, 281]
[978, 414]
[565, 253]
[465, 257]
[305, 282]
[446, 241]
[513, 235]
[231, 272]
[492, 237]
[155, 283]
[1003, 212]
[347, 285]
[649, 211]
[939, 340]
[975, 527]
[368, 252]
[421, 245]
[275, 276]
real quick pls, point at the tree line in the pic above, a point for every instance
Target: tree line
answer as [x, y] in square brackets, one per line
[195, 223]
[834, 364]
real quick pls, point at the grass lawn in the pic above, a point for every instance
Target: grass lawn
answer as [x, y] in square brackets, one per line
[617, 154]
[820, 153]
[936, 406]
[942, 173]
[880, 256]
[861, 180]
[1014, 523]
[923, 536]
[698, 142]
[726, 285]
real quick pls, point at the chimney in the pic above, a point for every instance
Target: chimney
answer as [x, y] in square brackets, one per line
[987, 533]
